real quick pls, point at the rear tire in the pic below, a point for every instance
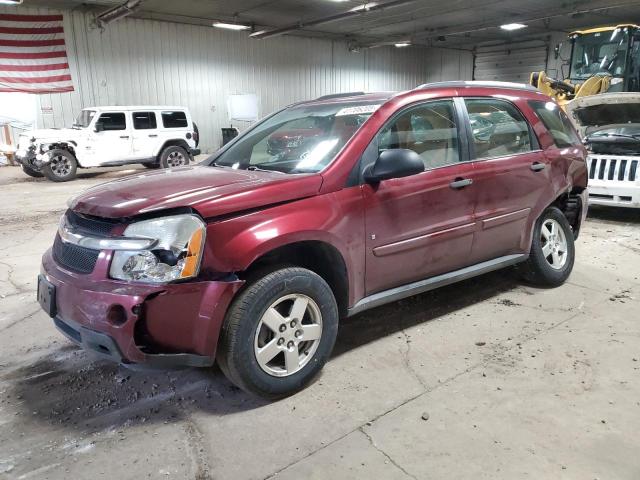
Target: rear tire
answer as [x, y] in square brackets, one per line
[62, 167]
[552, 250]
[31, 172]
[174, 156]
[278, 333]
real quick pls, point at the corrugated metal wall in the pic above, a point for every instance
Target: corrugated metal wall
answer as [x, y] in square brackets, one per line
[151, 62]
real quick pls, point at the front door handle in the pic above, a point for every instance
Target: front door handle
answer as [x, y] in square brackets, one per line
[460, 183]
[537, 166]
[124, 136]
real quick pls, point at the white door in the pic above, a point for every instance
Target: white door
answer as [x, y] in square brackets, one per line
[111, 139]
[144, 134]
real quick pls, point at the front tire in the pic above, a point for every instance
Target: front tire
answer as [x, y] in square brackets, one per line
[174, 157]
[552, 250]
[62, 167]
[279, 333]
[31, 172]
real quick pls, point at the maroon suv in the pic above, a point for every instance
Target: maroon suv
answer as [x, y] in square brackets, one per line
[251, 258]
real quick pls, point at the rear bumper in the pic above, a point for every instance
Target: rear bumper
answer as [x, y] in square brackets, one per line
[158, 325]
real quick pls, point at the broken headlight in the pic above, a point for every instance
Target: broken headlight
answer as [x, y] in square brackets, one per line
[176, 255]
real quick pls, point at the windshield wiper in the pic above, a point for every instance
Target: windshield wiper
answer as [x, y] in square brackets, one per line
[253, 168]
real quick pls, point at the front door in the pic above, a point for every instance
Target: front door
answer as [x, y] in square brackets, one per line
[422, 225]
[113, 143]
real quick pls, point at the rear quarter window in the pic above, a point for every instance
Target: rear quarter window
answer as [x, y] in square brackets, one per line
[174, 120]
[557, 123]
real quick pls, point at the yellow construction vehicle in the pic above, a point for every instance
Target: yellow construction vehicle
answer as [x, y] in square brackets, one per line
[603, 59]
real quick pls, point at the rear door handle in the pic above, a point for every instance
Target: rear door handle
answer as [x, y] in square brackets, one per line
[460, 183]
[537, 166]
[153, 136]
[124, 136]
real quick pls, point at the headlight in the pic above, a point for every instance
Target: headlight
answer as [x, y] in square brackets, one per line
[176, 256]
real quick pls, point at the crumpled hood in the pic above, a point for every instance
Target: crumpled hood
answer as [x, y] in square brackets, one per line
[596, 111]
[52, 133]
[211, 191]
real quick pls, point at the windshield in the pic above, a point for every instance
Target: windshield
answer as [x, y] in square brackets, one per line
[302, 139]
[600, 52]
[84, 119]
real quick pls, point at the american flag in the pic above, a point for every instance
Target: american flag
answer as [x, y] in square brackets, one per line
[33, 57]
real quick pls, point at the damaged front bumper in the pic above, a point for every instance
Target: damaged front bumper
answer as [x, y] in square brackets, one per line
[158, 325]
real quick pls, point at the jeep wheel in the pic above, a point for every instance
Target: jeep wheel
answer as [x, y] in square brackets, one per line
[31, 172]
[278, 333]
[552, 250]
[62, 166]
[174, 157]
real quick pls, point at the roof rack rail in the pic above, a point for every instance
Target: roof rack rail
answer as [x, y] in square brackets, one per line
[477, 83]
[340, 95]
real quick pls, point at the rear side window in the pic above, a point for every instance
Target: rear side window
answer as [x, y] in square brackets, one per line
[113, 121]
[144, 120]
[174, 120]
[557, 122]
[498, 128]
[429, 129]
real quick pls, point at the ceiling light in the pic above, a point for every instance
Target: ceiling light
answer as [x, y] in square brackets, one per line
[364, 7]
[513, 26]
[402, 44]
[231, 26]
[11, 2]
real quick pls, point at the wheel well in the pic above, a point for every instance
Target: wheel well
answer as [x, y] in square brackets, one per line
[319, 257]
[174, 143]
[68, 146]
[570, 204]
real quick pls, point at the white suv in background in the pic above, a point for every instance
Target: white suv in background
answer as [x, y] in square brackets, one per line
[111, 136]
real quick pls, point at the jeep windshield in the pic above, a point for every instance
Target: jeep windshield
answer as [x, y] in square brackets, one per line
[600, 53]
[84, 119]
[300, 139]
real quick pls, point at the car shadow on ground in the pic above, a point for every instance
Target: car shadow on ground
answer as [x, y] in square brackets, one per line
[614, 214]
[69, 390]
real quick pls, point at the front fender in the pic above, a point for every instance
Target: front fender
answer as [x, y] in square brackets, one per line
[336, 219]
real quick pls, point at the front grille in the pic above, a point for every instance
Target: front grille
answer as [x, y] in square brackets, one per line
[615, 168]
[99, 227]
[75, 258]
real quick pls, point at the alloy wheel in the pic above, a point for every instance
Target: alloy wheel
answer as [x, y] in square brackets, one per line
[288, 335]
[554, 244]
[60, 165]
[176, 159]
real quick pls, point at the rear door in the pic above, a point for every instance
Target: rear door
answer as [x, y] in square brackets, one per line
[145, 134]
[511, 176]
[422, 225]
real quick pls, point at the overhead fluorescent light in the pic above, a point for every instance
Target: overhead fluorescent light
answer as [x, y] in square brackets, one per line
[402, 44]
[11, 2]
[231, 26]
[364, 7]
[512, 26]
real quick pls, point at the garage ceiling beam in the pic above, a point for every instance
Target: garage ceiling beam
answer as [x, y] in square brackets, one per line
[360, 10]
[494, 23]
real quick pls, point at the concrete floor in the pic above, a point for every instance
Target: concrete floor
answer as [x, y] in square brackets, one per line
[489, 378]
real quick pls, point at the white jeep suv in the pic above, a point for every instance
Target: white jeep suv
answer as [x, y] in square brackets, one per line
[111, 136]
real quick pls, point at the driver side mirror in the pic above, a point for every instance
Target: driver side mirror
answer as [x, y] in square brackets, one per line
[556, 50]
[99, 127]
[394, 163]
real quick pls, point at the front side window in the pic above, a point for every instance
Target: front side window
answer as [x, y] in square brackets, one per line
[429, 129]
[113, 121]
[302, 139]
[498, 128]
[84, 119]
[557, 122]
[174, 120]
[144, 120]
